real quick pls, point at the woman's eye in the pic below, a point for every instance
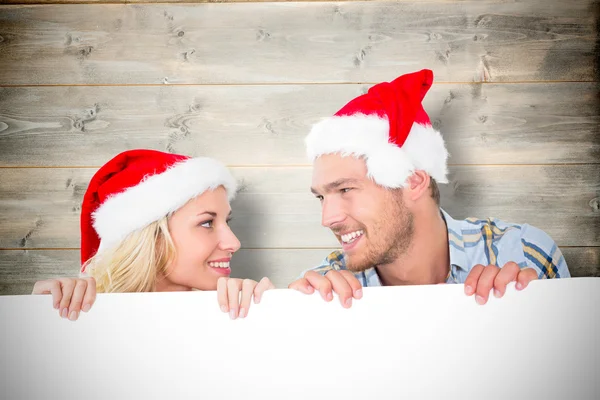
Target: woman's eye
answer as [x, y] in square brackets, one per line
[206, 224]
[320, 198]
[345, 190]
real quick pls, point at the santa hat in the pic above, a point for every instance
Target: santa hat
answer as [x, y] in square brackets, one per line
[138, 187]
[389, 128]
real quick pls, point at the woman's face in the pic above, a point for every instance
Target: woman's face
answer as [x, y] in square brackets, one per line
[204, 243]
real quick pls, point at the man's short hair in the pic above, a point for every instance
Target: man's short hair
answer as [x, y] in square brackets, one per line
[435, 191]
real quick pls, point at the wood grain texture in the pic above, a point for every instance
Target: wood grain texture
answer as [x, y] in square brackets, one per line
[461, 41]
[156, 1]
[266, 125]
[46, 2]
[39, 208]
[20, 269]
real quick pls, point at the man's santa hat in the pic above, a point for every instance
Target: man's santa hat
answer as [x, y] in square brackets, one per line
[389, 128]
[138, 187]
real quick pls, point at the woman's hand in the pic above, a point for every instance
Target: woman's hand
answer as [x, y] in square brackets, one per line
[228, 294]
[70, 296]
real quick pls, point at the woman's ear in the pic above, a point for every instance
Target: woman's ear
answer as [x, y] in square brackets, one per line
[417, 185]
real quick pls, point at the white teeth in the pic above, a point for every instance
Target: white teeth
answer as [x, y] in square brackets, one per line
[218, 264]
[352, 236]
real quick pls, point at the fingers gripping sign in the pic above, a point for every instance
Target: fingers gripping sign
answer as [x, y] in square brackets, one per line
[264, 285]
[235, 295]
[343, 283]
[70, 296]
[482, 280]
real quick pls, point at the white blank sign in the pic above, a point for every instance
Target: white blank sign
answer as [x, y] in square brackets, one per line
[397, 342]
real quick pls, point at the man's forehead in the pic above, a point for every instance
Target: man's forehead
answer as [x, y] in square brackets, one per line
[333, 167]
[336, 159]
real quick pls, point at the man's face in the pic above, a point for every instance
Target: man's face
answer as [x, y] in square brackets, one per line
[371, 222]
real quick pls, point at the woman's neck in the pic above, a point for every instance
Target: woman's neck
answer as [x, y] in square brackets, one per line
[165, 285]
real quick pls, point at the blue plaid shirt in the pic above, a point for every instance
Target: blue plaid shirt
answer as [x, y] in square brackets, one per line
[480, 241]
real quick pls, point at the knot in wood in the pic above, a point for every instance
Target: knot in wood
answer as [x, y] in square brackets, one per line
[79, 125]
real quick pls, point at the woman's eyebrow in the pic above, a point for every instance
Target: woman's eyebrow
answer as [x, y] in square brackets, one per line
[212, 213]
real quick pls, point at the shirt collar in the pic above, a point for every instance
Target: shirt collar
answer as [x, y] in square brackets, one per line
[458, 256]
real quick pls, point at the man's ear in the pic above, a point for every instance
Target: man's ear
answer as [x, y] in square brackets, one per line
[417, 185]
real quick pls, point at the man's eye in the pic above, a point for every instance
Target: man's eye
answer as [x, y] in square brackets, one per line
[206, 224]
[320, 198]
[345, 190]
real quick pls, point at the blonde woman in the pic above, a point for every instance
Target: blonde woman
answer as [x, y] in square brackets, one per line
[153, 222]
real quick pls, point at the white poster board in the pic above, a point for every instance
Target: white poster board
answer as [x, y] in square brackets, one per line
[401, 342]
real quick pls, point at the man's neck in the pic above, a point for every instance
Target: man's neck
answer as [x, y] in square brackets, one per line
[427, 260]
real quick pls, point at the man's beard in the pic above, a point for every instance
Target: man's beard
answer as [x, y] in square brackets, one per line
[389, 237]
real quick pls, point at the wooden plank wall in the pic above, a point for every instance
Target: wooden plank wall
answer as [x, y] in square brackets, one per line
[516, 98]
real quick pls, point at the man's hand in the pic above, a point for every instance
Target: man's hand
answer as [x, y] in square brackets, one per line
[482, 280]
[343, 283]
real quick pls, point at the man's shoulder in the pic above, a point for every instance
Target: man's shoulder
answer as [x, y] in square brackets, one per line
[524, 244]
[476, 232]
[496, 230]
[494, 227]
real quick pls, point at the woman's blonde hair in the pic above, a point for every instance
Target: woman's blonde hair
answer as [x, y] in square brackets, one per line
[134, 264]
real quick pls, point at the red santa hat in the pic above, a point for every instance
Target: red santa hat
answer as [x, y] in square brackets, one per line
[389, 128]
[138, 187]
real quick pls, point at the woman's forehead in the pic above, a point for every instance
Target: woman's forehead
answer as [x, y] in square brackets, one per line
[211, 201]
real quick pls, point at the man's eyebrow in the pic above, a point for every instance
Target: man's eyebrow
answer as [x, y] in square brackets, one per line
[335, 184]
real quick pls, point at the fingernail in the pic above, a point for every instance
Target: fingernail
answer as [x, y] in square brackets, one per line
[86, 308]
[479, 300]
[349, 302]
[329, 296]
[242, 313]
[468, 290]
[56, 306]
[224, 308]
[64, 312]
[519, 286]
[497, 293]
[358, 294]
[73, 315]
[256, 299]
[232, 314]
[309, 289]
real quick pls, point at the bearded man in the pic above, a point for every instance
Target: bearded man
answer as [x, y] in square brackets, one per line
[377, 163]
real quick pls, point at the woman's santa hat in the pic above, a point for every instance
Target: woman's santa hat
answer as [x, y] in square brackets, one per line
[389, 128]
[138, 187]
